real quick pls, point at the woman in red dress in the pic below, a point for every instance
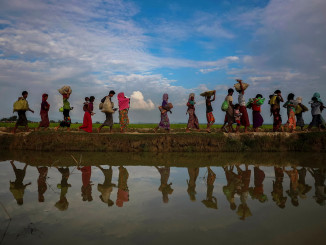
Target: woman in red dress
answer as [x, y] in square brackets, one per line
[87, 121]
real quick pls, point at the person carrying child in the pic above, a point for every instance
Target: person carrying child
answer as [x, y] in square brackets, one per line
[164, 109]
[275, 101]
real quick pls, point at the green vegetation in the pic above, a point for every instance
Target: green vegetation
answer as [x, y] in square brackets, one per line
[131, 126]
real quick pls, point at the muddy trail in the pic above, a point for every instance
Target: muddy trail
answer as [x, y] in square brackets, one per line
[175, 142]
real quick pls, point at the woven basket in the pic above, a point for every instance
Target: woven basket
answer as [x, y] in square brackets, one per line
[207, 93]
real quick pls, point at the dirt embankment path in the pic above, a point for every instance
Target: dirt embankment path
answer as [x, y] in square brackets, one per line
[179, 142]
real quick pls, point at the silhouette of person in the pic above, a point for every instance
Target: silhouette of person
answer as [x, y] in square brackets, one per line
[277, 193]
[193, 174]
[86, 188]
[243, 209]
[107, 187]
[165, 188]
[123, 191]
[258, 191]
[41, 182]
[17, 187]
[294, 183]
[63, 203]
[210, 201]
[233, 185]
[319, 175]
[303, 188]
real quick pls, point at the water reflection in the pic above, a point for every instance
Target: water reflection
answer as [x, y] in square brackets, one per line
[17, 187]
[41, 182]
[107, 187]
[236, 187]
[165, 188]
[193, 174]
[319, 175]
[63, 203]
[123, 190]
[210, 201]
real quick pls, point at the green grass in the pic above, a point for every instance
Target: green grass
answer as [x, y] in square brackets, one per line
[133, 126]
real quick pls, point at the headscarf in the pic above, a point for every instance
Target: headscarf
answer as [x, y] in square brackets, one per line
[123, 101]
[165, 97]
[191, 95]
[44, 97]
[317, 95]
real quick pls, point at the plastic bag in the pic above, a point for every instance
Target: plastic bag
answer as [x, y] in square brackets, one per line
[61, 109]
[21, 105]
[107, 106]
[225, 106]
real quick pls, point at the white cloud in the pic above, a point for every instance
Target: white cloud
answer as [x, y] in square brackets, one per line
[137, 102]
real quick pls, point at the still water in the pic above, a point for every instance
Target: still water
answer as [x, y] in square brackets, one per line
[118, 198]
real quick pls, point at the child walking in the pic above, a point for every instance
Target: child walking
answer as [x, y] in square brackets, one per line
[237, 117]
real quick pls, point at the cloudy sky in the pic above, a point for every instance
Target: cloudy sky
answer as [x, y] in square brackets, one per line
[146, 48]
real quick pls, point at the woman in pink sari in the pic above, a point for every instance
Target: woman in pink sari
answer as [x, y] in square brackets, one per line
[124, 104]
[87, 121]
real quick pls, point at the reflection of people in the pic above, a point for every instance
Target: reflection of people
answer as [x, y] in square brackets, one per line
[243, 209]
[17, 187]
[165, 188]
[193, 174]
[41, 182]
[319, 175]
[86, 188]
[210, 201]
[293, 192]
[123, 191]
[303, 188]
[258, 191]
[63, 203]
[277, 192]
[233, 184]
[107, 186]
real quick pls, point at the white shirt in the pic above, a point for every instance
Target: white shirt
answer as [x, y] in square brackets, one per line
[241, 100]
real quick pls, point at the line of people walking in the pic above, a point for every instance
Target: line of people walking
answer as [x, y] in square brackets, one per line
[235, 113]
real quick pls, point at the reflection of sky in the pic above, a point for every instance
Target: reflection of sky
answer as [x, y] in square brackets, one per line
[145, 218]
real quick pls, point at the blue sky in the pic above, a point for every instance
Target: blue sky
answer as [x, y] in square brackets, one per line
[147, 48]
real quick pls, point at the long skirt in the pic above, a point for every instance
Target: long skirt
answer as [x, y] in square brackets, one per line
[210, 118]
[244, 118]
[123, 118]
[316, 121]
[22, 119]
[165, 121]
[44, 119]
[87, 122]
[66, 119]
[193, 119]
[300, 121]
[291, 123]
[277, 119]
[109, 120]
[230, 115]
[257, 119]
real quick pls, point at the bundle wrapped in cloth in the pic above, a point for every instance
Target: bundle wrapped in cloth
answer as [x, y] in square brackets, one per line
[238, 87]
[207, 93]
[168, 107]
[21, 105]
[65, 90]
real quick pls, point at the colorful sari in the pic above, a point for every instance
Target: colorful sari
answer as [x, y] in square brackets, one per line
[165, 121]
[44, 112]
[123, 119]
[87, 121]
[193, 119]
